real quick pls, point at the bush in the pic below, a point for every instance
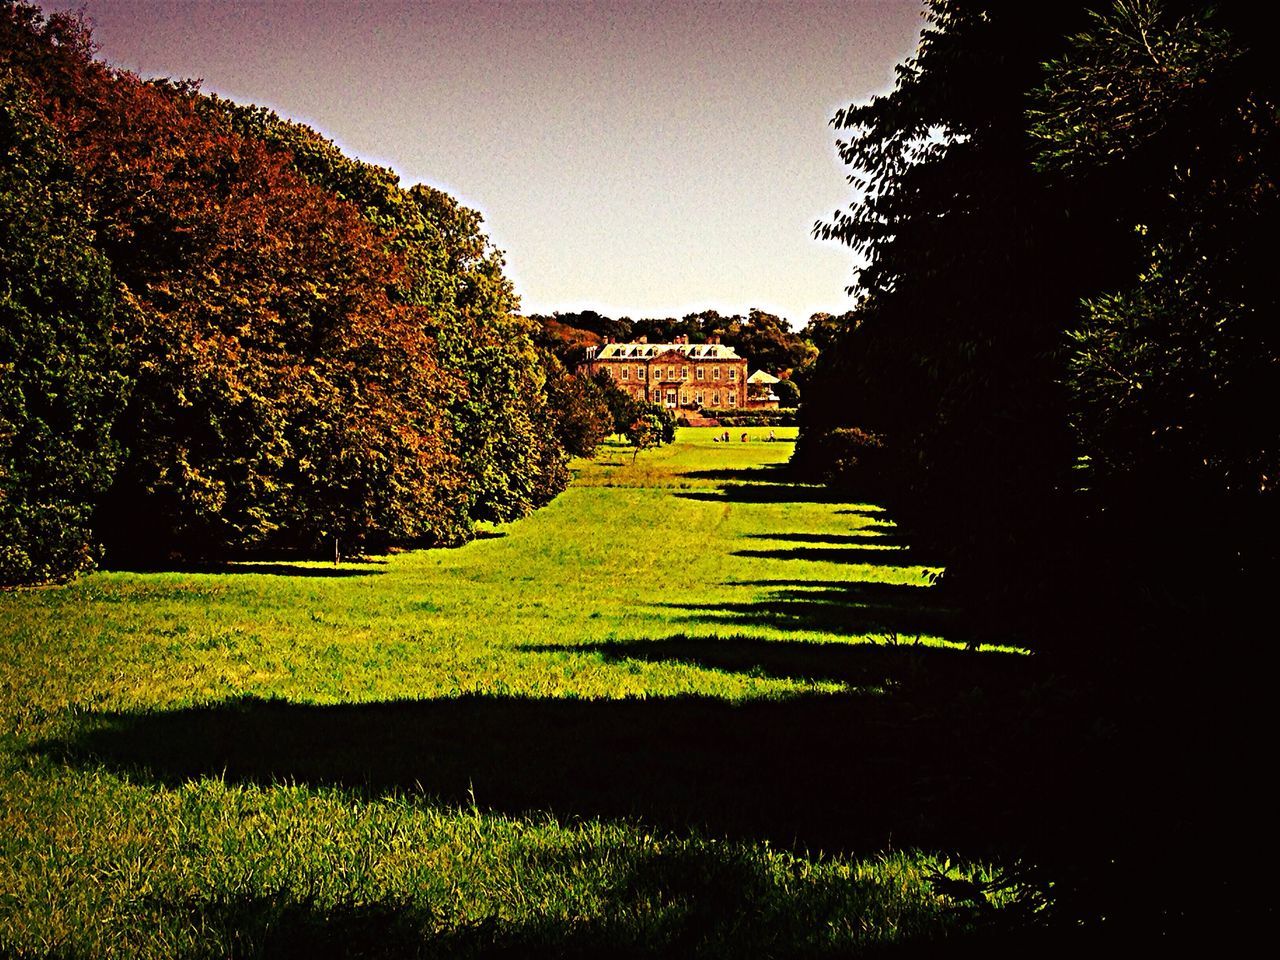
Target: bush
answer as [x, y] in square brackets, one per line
[760, 418]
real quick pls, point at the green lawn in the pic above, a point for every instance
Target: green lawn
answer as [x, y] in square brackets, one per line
[687, 708]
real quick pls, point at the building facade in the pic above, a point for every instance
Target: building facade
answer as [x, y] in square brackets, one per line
[680, 375]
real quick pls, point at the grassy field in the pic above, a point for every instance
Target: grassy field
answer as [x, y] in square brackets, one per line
[688, 708]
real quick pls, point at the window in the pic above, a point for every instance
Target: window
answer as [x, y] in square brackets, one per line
[715, 399]
[657, 395]
[684, 399]
[702, 374]
[733, 399]
[684, 373]
[626, 373]
[697, 398]
[639, 373]
[671, 373]
[733, 374]
[715, 374]
[657, 373]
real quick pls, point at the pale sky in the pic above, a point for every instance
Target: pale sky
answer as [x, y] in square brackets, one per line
[640, 159]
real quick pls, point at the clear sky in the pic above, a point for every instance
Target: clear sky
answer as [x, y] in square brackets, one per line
[640, 159]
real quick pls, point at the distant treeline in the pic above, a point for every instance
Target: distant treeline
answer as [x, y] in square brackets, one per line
[220, 336]
[1064, 374]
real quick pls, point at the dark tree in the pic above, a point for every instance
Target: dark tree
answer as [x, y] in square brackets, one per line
[60, 386]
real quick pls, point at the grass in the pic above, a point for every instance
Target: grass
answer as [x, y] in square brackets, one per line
[689, 708]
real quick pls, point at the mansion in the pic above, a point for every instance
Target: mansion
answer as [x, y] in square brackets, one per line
[683, 375]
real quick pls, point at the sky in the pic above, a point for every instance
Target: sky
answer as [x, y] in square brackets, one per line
[639, 159]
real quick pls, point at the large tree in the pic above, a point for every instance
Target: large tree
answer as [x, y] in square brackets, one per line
[1173, 112]
[60, 387]
[973, 272]
[280, 394]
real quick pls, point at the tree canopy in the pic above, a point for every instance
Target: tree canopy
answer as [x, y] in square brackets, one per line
[310, 350]
[1060, 333]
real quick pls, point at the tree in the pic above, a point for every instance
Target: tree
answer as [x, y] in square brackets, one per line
[973, 272]
[1175, 371]
[643, 432]
[767, 342]
[60, 385]
[579, 415]
[788, 393]
[280, 395]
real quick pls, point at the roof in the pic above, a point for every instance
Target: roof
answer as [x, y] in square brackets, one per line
[761, 377]
[695, 351]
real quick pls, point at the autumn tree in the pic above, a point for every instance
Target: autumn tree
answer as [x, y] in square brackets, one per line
[280, 397]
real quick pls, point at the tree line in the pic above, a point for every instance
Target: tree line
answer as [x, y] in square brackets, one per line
[1062, 373]
[220, 336]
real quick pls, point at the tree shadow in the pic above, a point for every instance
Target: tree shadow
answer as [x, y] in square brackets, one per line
[765, 493]
[833, 772]
[870, 533]
[888, 556]
[869, 668]
[354, 568]
[766, 473]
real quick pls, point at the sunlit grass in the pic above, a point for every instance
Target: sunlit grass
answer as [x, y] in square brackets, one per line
[652, 595]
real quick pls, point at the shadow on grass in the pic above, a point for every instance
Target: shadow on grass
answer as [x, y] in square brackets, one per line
[765, 493]
[355, 568]
[766, 473]
[888, 556]
[939, 749]
[867, 534]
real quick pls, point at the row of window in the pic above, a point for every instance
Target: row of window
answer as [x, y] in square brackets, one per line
[730, 398]
[684, 373]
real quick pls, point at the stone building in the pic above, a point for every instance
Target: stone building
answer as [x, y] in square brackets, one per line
[679, 375]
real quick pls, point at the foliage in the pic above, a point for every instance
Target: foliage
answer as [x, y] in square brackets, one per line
[498, 404]
[788, 394]
[579, 414]
[760, 418]
[1065, 314]
[1175, 373]
[315, 353]
[973, 274]
[60, 388]
[643, 432]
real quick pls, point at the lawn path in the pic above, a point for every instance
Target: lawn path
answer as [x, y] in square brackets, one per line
[585, 598]
[620, 725]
